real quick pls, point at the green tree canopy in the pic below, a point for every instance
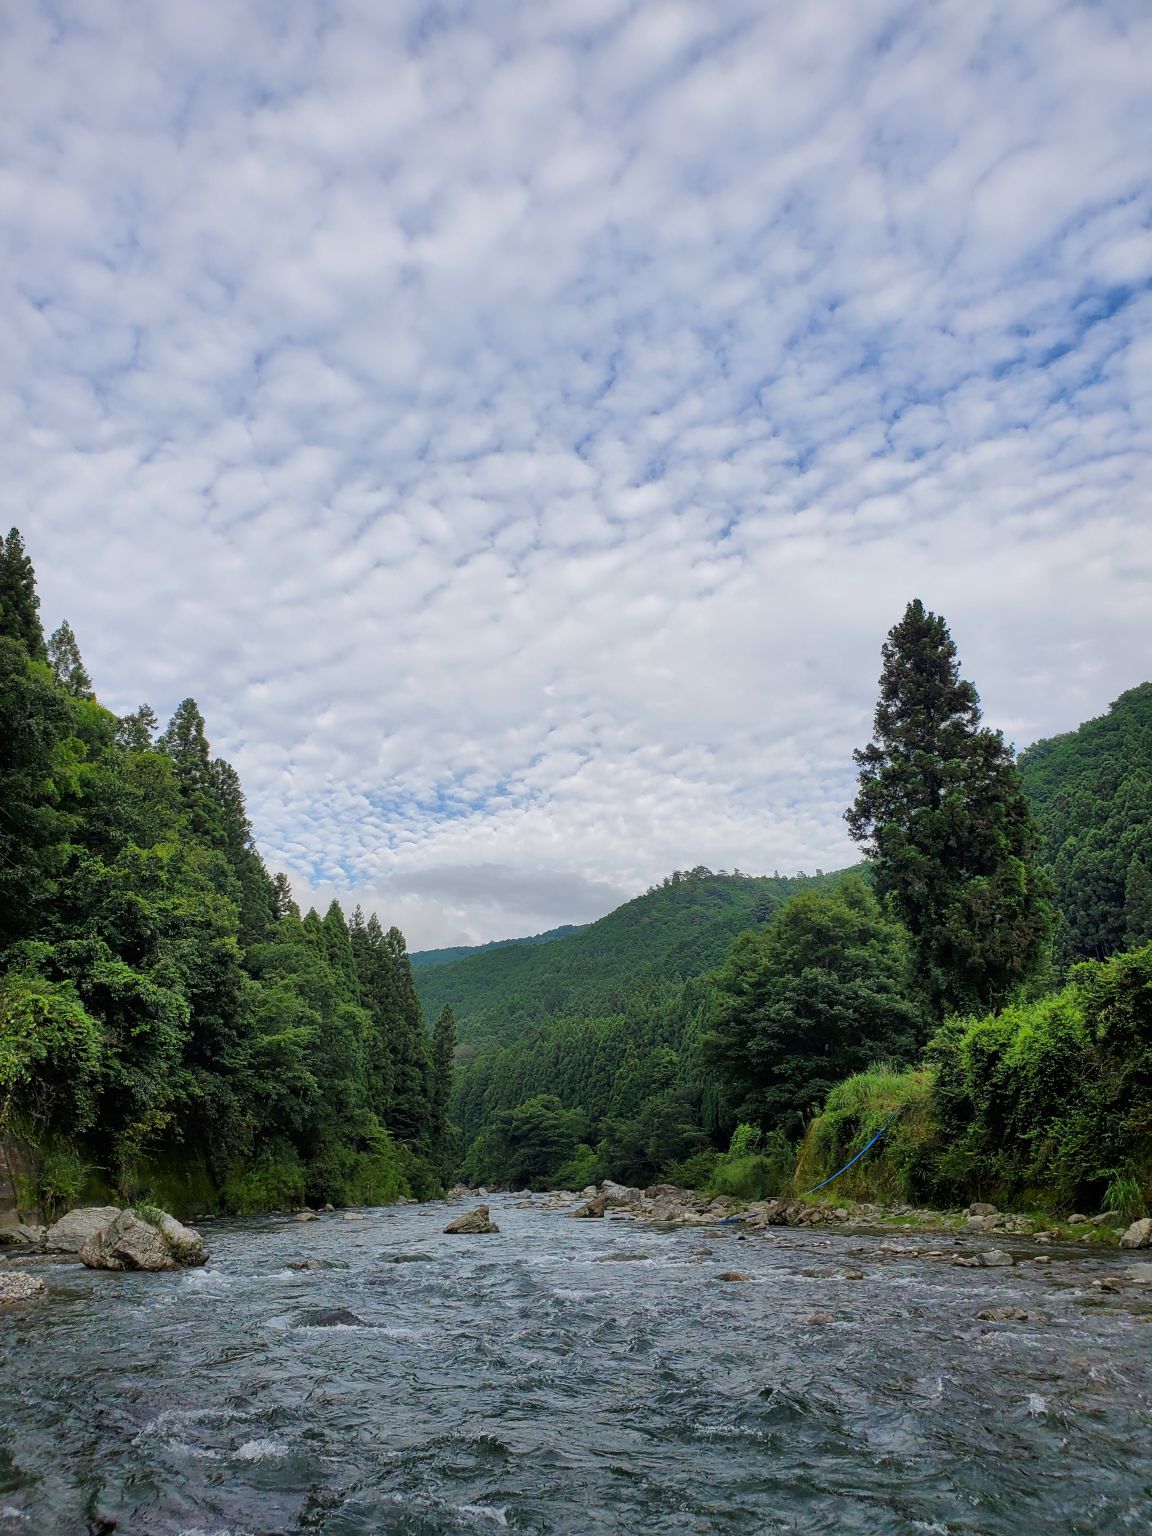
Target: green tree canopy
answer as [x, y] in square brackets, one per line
[942, 814]
[817, 994]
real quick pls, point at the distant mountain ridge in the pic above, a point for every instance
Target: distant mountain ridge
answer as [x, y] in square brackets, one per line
[674, 931]
[424, 957]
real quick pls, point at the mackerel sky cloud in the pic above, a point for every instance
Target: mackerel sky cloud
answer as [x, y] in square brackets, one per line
[518, 424]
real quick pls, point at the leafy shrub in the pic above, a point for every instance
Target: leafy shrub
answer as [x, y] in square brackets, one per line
[745, 1140]
[694, 1172]
[580, 1170]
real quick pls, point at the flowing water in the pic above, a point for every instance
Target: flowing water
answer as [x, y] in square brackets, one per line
[582, 1377]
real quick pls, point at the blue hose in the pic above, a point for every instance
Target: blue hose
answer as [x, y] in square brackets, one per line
[856, 1159]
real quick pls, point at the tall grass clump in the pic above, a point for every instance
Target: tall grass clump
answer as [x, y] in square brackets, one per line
[901, 1167]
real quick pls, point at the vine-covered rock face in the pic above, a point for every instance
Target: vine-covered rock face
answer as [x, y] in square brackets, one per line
[130, 1241]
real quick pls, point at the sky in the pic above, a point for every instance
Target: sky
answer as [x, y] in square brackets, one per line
[519, 424]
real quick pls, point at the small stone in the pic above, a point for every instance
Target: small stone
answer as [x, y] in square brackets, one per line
[305, 1216]
[353, 1216]
[821, 1319]
[982, 1208]
[328, 1317]
[1077, 1220]
[413, 1258]
[1042, 1258]
[731, 1274]
[1111, 1286]
[1003, 1315]
[854, 1274]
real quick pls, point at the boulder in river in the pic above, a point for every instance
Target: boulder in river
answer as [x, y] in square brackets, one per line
[1003, 1315]
[591, 1208]
[131, 1241]
[1138, 1235]
[16, 1286]
[473, 1223]
[619, 1194]
[731, 1274]
[995, 1258]
[73, 1230]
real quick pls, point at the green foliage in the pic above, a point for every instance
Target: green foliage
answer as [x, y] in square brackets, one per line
[63, 1173]
[528, 1145]
[942, 814]
[746, 1140]
[808, 999]
[1091, 791]
[581, 1169]
[1125, 1194]
[165, 1011]
[694, 1172]
[902, 1166]
[1048, 1101]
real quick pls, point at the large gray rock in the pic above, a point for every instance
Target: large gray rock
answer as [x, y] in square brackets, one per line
[591, 1208]
[130, 1242]
[995, 1258]
[473, 1223]
[1138, 1235]
[71, 1232]
[16, 1286]
[619, 1194]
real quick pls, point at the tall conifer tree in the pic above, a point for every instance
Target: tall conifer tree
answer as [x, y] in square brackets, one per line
[19, 604]
[942, 815]
[67, 663]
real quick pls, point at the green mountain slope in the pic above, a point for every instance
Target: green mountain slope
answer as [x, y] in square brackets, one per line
[676, 930]
[425, 957]
[1091, 791]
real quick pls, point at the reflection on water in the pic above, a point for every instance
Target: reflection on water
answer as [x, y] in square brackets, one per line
[528, 1382]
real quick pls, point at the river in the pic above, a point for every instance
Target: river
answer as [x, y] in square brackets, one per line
[579, 1377]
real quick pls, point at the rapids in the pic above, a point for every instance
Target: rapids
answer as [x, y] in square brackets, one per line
[579, 1377]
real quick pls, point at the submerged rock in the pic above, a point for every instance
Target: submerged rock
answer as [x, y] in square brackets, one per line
[1138, 1235]
[131, 1242]
[19, 1287]
[1003, 1315]
[473, 1223]
[731, 1274]
[329, 1317]
[72, 1231]
[1140, 1273]
[412, 1258]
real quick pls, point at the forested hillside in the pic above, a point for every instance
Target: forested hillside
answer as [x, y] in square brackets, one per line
[421, 958]
[596, 1038]
[1091, 793]
[678, 929]
[171, 1027]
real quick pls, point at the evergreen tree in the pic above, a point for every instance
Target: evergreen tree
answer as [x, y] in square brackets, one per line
[942, 815]
[136, 732]
[19, 604]
[186, 743]
[67, 666]
[443, 1061]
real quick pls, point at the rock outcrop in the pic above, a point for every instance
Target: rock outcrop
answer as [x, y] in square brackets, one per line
[131, 1242]
[473, 1223]
[72, 1231]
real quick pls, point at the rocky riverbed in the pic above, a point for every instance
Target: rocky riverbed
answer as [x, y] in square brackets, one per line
[582, 1377]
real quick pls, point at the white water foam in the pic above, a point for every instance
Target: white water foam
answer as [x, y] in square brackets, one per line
[261, 1450]
[485, 1512]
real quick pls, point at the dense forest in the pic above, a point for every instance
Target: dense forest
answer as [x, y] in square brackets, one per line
[171, 1026]
[720, 1010]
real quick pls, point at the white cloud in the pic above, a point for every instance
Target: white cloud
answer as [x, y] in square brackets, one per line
[519, 426]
